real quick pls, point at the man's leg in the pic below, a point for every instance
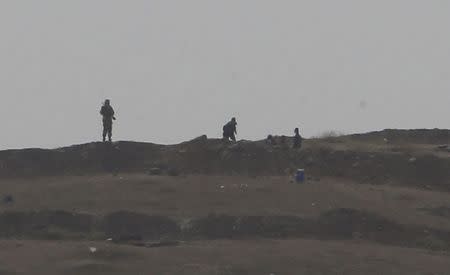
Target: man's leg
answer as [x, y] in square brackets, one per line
[110, 132]
[105, 131]
[233, 137]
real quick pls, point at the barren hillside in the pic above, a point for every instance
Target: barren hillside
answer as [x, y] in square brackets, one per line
[414, 157]
[376, 203]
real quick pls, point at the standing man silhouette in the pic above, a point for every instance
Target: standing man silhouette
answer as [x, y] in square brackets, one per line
[297, 139]
[230, 131]
[108, 116]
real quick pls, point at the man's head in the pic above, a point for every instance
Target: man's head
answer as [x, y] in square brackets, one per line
[233, 119]
[107, 102]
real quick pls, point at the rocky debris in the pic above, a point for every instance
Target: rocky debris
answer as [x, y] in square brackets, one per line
[202, 138]
[310, 161]
[271, 140]
[236, 148]
[155, 171]
[173, 172]
[159, 171]
[444, 147]
[8, 199]
[439, 211]
[198, 141]
[155, 244]
[125, 238]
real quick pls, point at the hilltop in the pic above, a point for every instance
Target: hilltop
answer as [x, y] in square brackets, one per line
[395, 156]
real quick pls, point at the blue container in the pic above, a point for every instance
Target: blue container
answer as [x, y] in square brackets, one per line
[300, 176]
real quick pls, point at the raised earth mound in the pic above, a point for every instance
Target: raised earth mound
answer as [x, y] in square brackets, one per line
[410, 157]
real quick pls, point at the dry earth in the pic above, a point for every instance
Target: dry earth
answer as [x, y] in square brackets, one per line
[377, 203]
[224, 257]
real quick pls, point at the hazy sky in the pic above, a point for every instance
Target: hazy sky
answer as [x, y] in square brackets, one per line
[177, 69]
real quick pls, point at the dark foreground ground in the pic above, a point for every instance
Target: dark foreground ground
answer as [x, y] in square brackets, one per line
[253, 257]
[261, 225]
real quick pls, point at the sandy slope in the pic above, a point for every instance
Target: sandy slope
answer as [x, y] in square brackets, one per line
[252, 257]
[195, 196]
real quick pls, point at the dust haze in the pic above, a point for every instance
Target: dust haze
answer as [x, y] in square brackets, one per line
[176, 70]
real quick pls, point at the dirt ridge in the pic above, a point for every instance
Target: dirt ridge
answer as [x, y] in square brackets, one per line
[215, 157]
[124, 226]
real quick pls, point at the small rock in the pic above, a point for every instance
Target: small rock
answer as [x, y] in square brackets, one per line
[444, 147]
[357, 235]
[310, 161]
[201, 138]
[411, 160]
[244, 186]
[85, 155]
[128, 238]
[155, 171]
[162, 244]
[236, 148]
[8, 199]
[173, 172]
[93, 249]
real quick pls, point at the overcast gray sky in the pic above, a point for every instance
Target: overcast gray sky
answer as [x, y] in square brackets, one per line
[177, 69]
